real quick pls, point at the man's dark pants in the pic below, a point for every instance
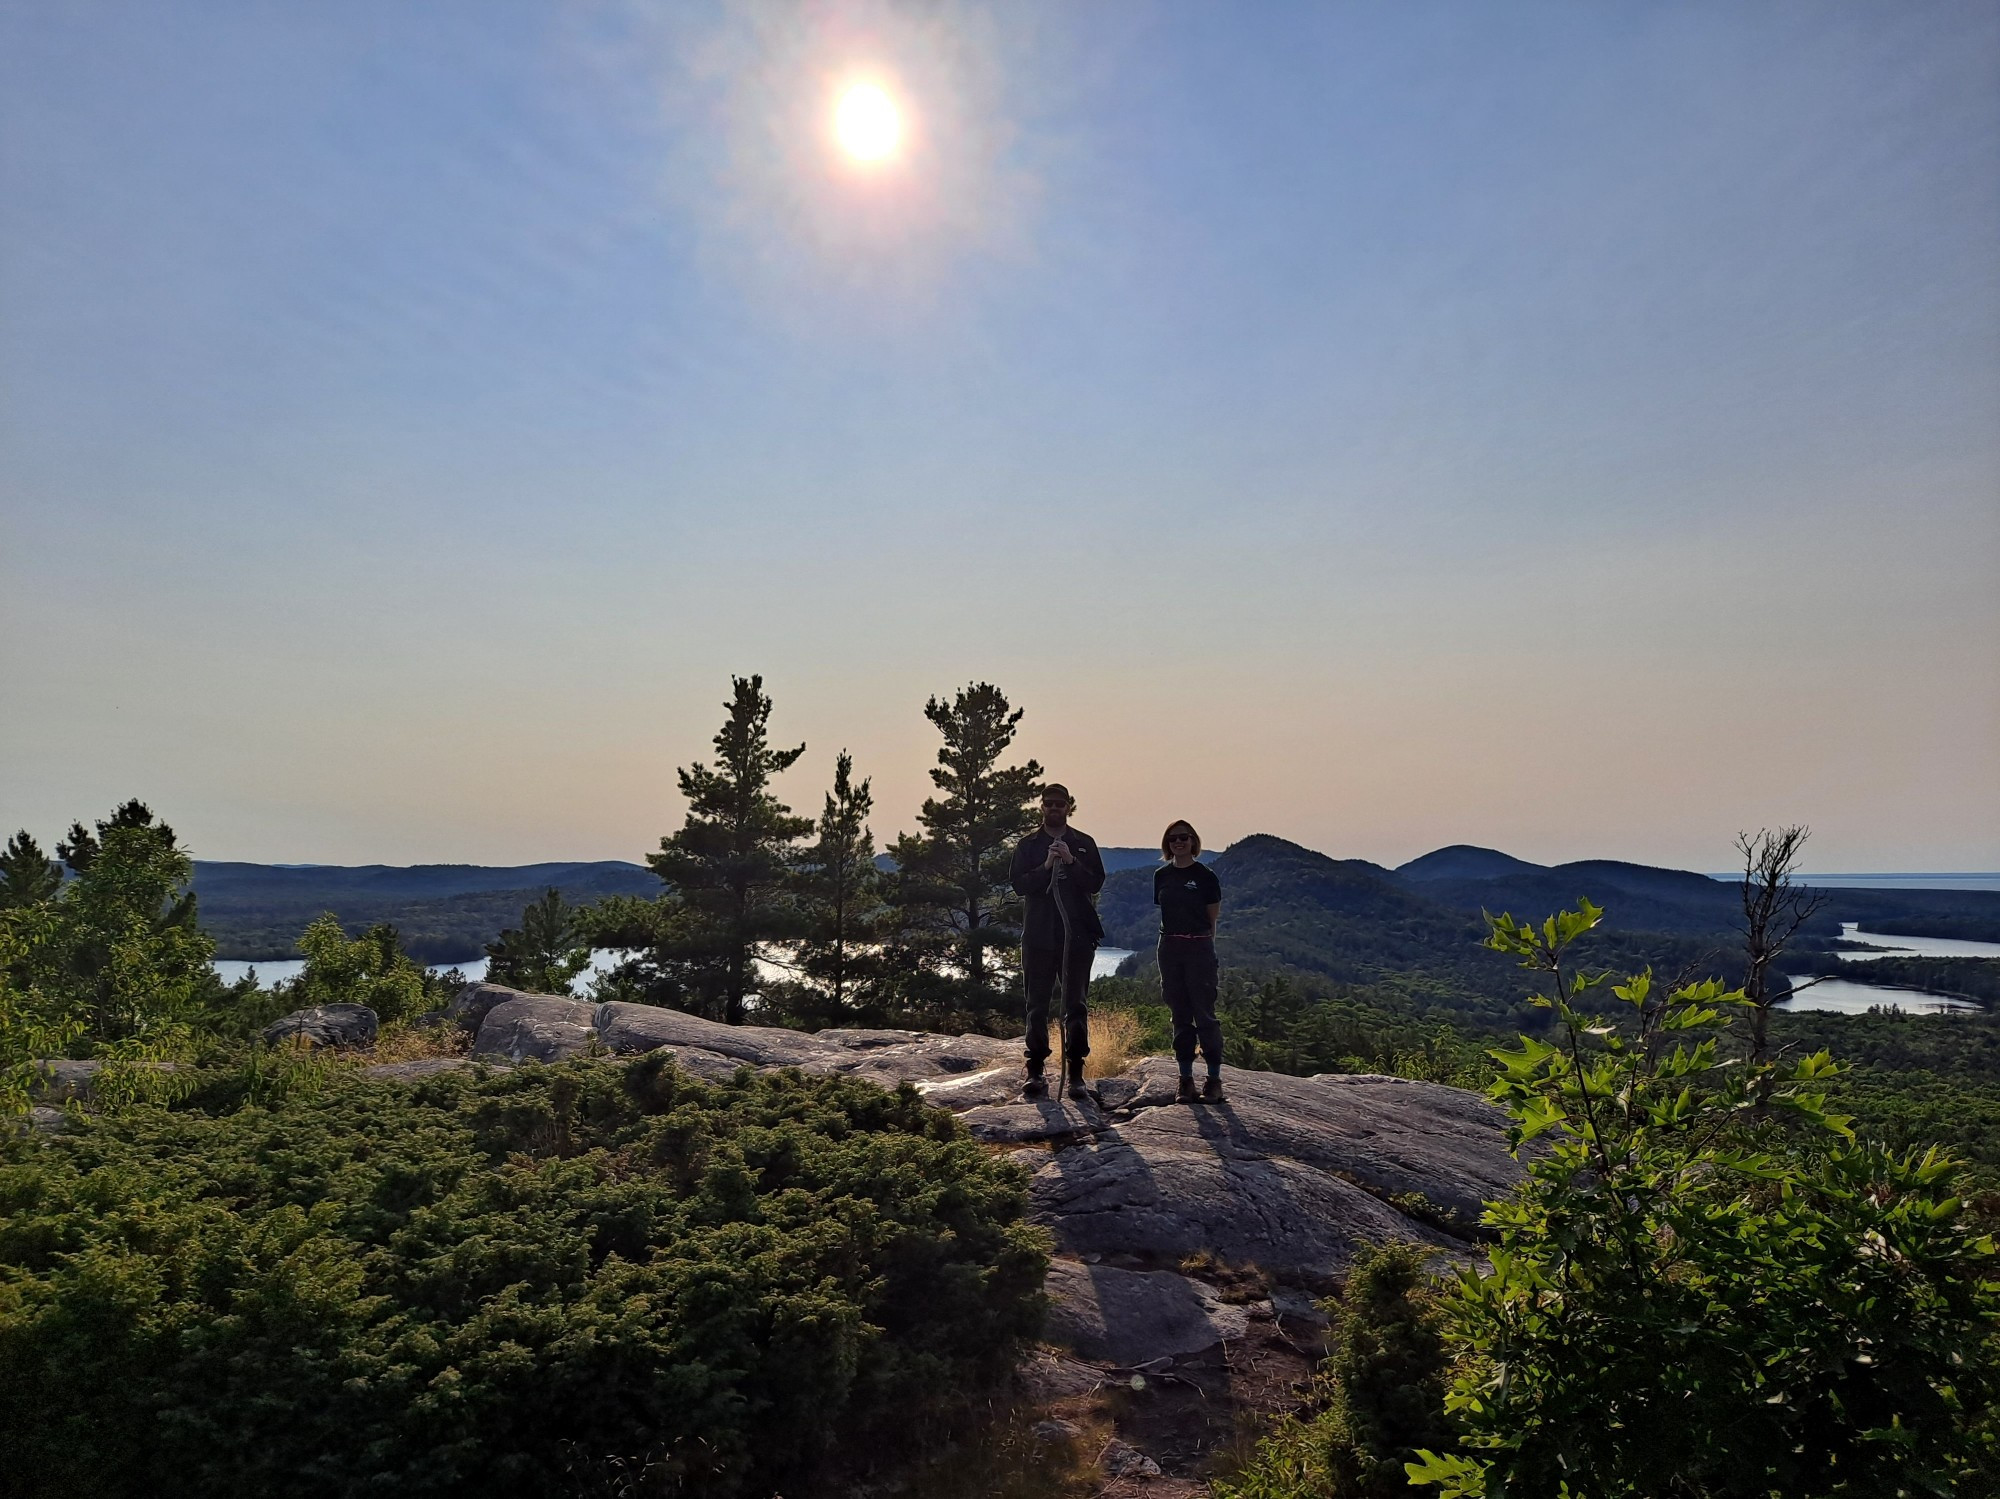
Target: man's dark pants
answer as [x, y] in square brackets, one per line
[1039, 967]
[1188, 980]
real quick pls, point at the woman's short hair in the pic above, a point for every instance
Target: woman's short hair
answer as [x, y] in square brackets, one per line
[1166, 838]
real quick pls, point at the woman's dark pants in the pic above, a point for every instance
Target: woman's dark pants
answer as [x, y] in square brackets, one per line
[1043, 968]
[1187, 979]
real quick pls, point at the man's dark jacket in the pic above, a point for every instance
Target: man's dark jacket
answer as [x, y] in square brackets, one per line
[1042, 926]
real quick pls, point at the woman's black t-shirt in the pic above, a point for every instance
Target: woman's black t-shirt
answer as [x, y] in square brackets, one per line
[1184, 896]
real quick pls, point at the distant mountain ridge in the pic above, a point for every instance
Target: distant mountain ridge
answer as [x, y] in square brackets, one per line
[225, 880]
[1464, 861]
[1644, 897]
[1285, 904]
[1461, 880]
[446, 912]
[1115, 859]
[1417, 929]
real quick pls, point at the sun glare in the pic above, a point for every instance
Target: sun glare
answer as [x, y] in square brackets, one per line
[867, 124]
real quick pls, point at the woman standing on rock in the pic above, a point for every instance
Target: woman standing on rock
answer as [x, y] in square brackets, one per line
[1189, 897]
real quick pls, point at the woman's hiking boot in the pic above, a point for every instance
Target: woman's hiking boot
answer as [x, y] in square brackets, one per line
[1034, 1087]
[1186, 1094]
[1211, 1091]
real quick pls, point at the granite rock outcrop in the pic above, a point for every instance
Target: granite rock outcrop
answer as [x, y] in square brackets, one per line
[334, 1026]
[535, 1028]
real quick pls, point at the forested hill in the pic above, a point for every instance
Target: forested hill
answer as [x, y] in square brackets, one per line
[1390, 941]
[445, 912]
[1412, 934]
[1114, 859]
[1345, 919]
[1639, 896]
[1341, 919]
[1646, 898]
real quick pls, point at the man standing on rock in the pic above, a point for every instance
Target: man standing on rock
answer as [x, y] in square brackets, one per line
[1059, 871]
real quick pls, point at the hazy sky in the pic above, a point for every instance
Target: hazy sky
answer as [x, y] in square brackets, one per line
[1573, 428]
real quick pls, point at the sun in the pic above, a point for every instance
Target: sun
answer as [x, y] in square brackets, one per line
[867, 124]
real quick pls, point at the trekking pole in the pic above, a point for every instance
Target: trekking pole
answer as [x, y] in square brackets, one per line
[1062, 977]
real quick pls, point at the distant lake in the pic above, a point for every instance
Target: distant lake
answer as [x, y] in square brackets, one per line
[1846, 997]
[1912, 947]
[230, 970]
[1972, 880]
[284, 970]
[1107, 961]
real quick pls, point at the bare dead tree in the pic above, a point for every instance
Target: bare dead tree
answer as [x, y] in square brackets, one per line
[1773, 911]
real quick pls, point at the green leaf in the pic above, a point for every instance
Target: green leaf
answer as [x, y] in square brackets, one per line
[1455, 1477]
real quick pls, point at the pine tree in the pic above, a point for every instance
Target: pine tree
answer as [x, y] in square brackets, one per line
[122, 948]
[81, 846]
[729, 864]
[27, 875]
[841, 892]
[960, 917]
[545, 952]
[1388, 1369]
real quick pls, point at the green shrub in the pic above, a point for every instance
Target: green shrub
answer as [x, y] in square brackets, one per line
[580, 1278]
[371, 970]
[1376, 1400]
[1706, 1287]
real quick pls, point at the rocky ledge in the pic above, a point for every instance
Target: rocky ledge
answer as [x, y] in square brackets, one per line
[1177, 1227]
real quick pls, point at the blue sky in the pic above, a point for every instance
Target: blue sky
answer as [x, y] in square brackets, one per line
[1564, 427]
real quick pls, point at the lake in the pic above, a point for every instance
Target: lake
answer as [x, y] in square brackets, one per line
[1843, 996]
[1964, 880]
[1912, 947]
[1846, 997]
[283, 970]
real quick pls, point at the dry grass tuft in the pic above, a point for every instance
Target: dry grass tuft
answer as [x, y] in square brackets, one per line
[399, 1041]
[1237, 1284]
[1114, 1042]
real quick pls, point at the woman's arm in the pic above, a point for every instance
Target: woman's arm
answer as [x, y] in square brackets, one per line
[1214, 910]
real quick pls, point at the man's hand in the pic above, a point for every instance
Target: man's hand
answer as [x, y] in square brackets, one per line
[1059, 854]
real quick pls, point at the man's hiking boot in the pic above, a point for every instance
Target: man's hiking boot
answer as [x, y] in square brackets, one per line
[1035, 1087]
[1186, 1093]
[1211, 1091]
[1076, 1087]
